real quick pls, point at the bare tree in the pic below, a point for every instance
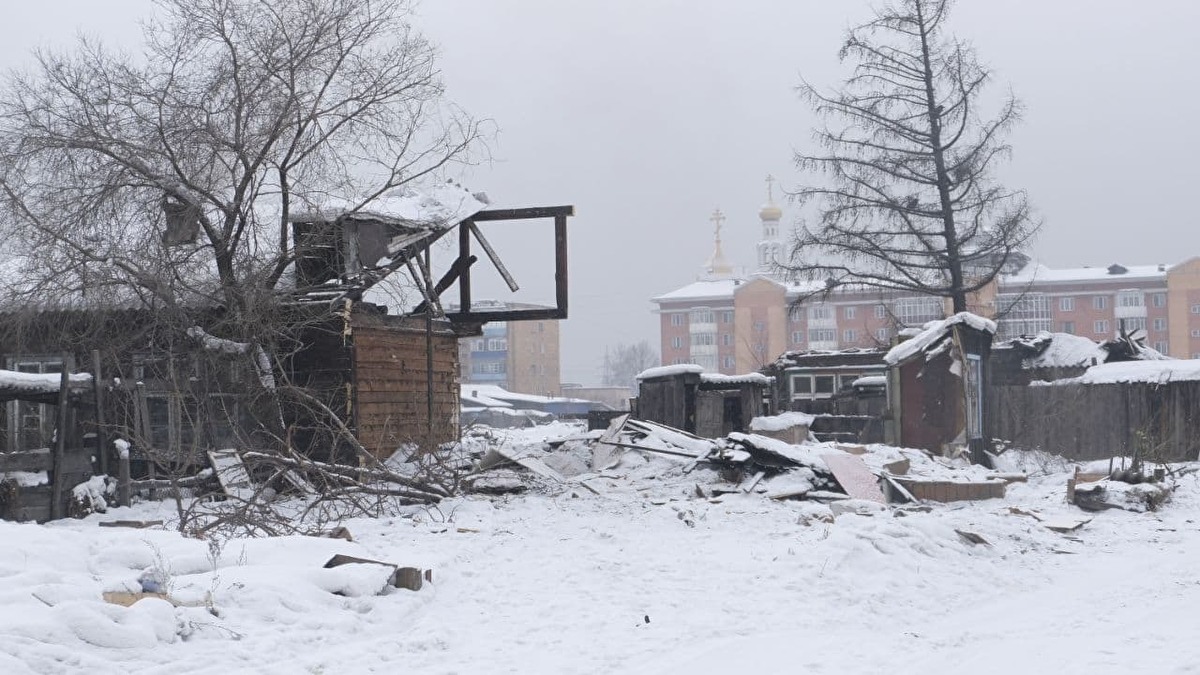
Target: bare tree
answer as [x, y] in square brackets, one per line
[905, 187]
[166, 181]
[623, 362]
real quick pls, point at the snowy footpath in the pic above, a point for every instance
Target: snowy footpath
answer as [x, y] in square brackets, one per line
[625, 583]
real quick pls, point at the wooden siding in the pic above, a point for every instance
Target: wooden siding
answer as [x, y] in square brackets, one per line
[391, 394]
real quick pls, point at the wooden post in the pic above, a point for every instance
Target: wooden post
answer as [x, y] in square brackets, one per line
[124, 483]
[60, 444]
[428, 365]
[101, 428]
[145, 430]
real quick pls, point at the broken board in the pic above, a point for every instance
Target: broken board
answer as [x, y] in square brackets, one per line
[854, 477]
[231, 474]
[604, 454]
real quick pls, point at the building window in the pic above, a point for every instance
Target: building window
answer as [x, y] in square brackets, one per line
[1133, 323]
[1160, 324]
[881, 334]
[677, 342]
[760, 326]
[497, 344]
[727, 339]
[1131, 299]
[703, 339]
[728, 362]
[703, 316]
[848, 312]
[677, 319]
[797, 336]
[880, 311]
[1099, 302]
[1159, 299]
[1066, 304]
[806, 386]
[849, 336]
[820, 313]
[1160, 347]
[1068, 327]
[727, 316]
[1195, 309]
[31, 425]
[1101, 327]
[1022, 314]
[822, 335]
[917, 311]
[1196, 333]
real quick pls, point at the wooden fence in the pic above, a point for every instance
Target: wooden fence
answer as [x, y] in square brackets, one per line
[1098, 421]
[35, 502]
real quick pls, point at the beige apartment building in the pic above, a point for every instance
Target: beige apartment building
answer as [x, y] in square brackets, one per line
[521, 356]
[737, 322]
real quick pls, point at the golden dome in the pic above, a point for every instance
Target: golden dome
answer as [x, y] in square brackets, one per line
[770, 211]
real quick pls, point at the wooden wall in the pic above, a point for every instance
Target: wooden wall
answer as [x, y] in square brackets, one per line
[1100, 421]
[391, 398]
[34, 503]
[669, 400]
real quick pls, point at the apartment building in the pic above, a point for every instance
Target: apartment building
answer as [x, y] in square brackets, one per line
[738, 322]
[521, 356]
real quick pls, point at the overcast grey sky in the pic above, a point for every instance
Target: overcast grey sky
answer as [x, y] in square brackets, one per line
[646, 114]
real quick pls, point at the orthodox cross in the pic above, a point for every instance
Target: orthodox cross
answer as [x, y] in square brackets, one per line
[770, 190]
[716, 218]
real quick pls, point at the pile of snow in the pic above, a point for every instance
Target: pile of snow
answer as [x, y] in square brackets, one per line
[40, 383]
[1062, 350]
[781, 422]
[747, 378]
[440, 206]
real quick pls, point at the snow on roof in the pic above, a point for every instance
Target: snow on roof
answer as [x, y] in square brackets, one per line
[40, 383]
[747, 378]
[1062, 350]
[469, 393]
[1138, 371]
[932, 333]
[504, 397]
[713, 289]
[870, 381]
[440, 206]
[781, 422]
[1040, 273]
[669, 371]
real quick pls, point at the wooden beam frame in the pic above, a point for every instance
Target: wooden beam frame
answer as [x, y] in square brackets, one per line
[468, 228]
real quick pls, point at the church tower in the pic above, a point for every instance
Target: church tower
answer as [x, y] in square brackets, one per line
[717, 267]
[771, 247]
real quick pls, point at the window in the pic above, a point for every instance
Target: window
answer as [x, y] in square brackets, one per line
[1066, 304]
[727, 316]
[1068, 327]
[1101, 327]
[822, 335]
[1022, 314]
[727, 339]
[844, 381]
[881, 334]
[677, 319]
[1099, 302]
[31, 425]
[917, 311]
[1195, 309]
[1133, 323]
[823, 384]
[849, 336]
[1131, 299]
[820, 313]
[703, 339]
[880, 311]
[728, 362]
[760, 326]
[497, 344]
[541, 327]
[1159, 299]
[797, 336]
[848, 312]
[1196, 333]
[677, 342]
[1160, 324]
[703, 316]
[1160, 347]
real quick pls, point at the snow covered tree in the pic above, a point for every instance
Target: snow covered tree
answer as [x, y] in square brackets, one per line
[623, 363]
[903, 189]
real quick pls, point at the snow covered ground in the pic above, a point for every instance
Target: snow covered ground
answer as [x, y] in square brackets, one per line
[578, 583]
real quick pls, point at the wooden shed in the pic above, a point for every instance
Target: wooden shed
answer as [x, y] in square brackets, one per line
[706, 404]
[937, 383]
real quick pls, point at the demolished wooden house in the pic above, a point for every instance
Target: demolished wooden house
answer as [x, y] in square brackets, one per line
[348, 370]
[844, 390]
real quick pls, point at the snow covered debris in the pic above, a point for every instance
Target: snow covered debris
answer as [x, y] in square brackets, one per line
[781, 422]
[932, 333]
[440, 206]
[1158, 372]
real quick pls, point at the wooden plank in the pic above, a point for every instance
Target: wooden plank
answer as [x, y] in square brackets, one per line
[494, 257]
[854, 477]
[231, 474]
[560, 263]
[57, 505]
[29, 460]
[604, 454]
[524, 214]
